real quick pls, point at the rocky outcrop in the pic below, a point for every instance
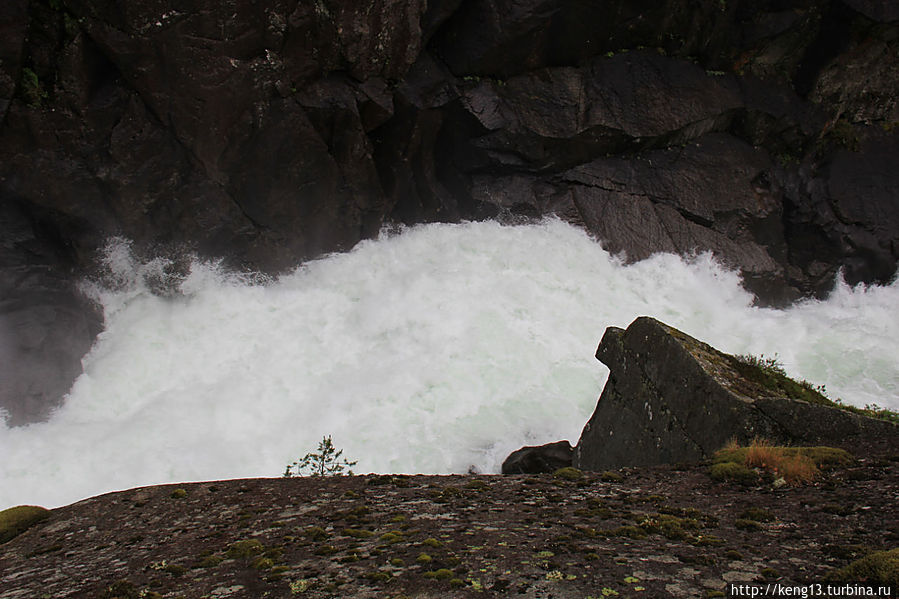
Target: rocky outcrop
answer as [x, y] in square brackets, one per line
[542, 458]
[670, 398]
[45, 324]
[271, 134]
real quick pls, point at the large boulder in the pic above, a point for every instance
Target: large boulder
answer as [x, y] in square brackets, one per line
[541, 458]
[670, 398]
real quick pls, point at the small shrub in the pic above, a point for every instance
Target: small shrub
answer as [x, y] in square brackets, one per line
[391, 537]
[211, 561]
[881, 567]
[316, 533]
[769, 365]
[633, 532]
[706, 541]
[796, 465]
[327, 462]
[797, 469]
[263, 563]
[121, 589]
[759, 514]
[762, 454]
[178, 494]
[611, 477]
[245, 549]
[747, 525]
[441, 574]
[357, 533]
[424, 558]
[378, 576]
[16, 520]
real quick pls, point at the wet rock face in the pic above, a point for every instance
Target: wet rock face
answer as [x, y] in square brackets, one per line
[271, 133]
[670, 398]
[46, 326]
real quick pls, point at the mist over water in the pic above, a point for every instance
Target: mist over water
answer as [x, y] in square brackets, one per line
[439, 349]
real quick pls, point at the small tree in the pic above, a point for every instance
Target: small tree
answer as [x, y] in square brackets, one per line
[326, 462]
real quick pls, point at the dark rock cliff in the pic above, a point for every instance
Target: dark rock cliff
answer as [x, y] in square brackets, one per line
[268, 133]
[670, 398]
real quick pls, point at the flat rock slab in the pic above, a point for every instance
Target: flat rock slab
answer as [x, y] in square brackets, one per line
[451, 536]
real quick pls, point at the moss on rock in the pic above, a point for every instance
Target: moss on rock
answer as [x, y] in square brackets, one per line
[568, 473]
[16, 520]
[733, 472]
[880, 567]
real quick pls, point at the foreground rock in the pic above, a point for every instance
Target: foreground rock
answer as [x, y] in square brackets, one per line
[458, 536]
[542, 458]
[670, 398]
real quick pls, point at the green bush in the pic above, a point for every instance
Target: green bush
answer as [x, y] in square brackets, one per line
[880, 567]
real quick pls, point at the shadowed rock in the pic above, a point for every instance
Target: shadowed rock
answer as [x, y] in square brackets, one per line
[540, 458]
[670, 398]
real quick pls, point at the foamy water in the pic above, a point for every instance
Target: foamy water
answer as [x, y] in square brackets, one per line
[440, 349]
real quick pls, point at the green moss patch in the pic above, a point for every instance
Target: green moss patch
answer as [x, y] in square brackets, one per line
[357, 533]
[733, 472]
[568, 473]
[880, 567]
[796, 465]
[245, 549]
[441, 574]
[671, 527]
[16, 520]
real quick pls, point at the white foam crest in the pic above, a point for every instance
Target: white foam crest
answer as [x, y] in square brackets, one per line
[437, 349]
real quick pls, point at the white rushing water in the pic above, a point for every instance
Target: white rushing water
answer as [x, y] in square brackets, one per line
[439, 349]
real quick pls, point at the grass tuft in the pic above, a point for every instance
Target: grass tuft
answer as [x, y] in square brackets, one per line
[796, 465]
